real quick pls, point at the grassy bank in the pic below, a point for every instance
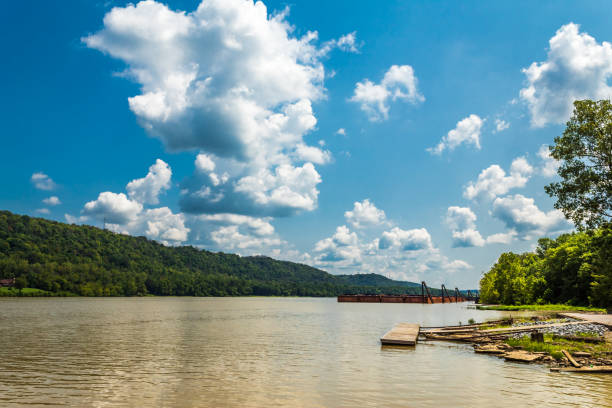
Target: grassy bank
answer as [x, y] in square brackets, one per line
[554, 346]
[31, 292]
[543, 308]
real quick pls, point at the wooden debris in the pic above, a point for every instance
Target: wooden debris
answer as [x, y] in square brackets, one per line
[522, 356]
[537, 337]
[489, 349]
[581, 354]
[571, 359]
[591, 369]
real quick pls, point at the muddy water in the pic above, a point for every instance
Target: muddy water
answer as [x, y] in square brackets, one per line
[255, 352]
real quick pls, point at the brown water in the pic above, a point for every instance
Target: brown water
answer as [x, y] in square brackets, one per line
[258, 352]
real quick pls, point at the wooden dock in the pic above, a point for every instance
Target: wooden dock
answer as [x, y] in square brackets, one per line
[404, 334]
[605, 319]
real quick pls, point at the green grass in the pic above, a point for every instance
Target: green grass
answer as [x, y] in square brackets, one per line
[554, 347]
[550, 308]
[29, 292]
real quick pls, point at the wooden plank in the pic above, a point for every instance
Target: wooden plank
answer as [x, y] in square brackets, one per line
[489, 349]
[570, 358]
[591, 369]
[605, 319]
[402, 334]
[521, 355]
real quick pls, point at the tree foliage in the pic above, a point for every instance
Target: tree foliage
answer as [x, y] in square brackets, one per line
[575, 269]
[585, 152]
[84, 260]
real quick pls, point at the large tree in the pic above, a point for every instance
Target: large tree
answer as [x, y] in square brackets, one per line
[585, 151]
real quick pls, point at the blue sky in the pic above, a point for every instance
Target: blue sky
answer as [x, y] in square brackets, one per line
[403, 139]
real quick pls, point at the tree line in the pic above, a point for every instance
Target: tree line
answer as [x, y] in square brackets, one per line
[67, 259]
[575, 268]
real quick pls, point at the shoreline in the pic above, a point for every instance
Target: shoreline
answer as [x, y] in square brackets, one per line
[563, 344]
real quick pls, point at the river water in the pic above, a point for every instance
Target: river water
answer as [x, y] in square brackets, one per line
[258, 352]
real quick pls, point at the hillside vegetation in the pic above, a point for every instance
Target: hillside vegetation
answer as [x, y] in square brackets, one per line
[88, 261]
[574, 269]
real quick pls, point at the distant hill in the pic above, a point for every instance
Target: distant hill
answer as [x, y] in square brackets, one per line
[88, 261]
[374, 279]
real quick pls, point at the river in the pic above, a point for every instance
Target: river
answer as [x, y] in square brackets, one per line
[258, 352]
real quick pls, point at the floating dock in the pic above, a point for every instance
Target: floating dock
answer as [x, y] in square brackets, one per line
[403, 334]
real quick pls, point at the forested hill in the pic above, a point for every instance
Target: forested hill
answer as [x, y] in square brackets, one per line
[373, 279]
[88, 261]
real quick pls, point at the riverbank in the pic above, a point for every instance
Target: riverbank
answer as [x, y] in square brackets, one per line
[559, 342]
[543, 308]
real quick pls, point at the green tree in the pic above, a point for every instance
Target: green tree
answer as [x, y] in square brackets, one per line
[585, 152]
[20, 283]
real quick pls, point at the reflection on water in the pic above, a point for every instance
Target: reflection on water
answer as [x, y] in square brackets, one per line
[253, 352]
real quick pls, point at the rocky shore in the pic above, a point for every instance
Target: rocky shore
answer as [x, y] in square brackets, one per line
[580, 337]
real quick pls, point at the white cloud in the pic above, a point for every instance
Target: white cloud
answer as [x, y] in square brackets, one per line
[364, 214]
[549, 164]
[126, 216]
[230, 238]
[462, 222]
[70, 219]
[342, 247]
[341, 131]
[577, 67]
[346, 43]
[493, 181]
[407, 240]
[115, 208]
[234, 83]
[467, 131]
[53, 200]
[204, 163]
[521, 215]
[162, 225]
[312, 154]
[43, 211]
[239, 233]
[257, 226]
[404, 254]
[501, 125]
[467, 238]
[146, 190]
[501, 238]
[42, 182]
[399, 82]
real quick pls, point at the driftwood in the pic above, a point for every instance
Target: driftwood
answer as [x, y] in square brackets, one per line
[590, 369]
[571, 359]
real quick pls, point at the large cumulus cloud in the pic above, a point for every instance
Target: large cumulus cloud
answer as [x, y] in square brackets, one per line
[577, 67]
[231, 81]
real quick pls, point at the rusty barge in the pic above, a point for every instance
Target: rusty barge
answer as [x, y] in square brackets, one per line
[424, 297]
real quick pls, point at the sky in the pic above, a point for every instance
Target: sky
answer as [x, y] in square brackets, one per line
[408, 139]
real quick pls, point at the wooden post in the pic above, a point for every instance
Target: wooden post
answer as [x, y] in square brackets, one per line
[423, 292]
[424, 285]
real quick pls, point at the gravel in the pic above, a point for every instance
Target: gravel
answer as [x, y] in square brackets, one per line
[568, 330]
